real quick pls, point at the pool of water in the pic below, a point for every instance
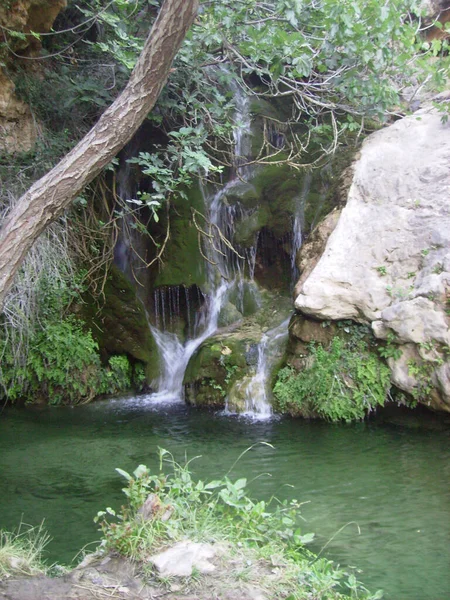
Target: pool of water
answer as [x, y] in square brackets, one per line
[389, 478]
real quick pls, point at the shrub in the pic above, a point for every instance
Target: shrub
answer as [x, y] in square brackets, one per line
[341, 383]
[117, 377]
[62, 365]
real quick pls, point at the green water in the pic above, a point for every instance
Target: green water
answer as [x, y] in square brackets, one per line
[390, 476]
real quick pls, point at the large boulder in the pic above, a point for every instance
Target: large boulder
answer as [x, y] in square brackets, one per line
[387, 261]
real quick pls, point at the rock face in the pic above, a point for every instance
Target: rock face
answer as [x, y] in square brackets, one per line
[17, 125]
[437, 15]
[387, 261]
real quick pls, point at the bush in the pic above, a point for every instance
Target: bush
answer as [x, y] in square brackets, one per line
[63, 364]
[117, 378]
[342, 384]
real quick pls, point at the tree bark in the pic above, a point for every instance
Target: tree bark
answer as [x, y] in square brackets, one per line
[53, 193]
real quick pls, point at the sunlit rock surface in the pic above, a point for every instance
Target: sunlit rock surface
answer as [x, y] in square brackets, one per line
[387, 261]
[18, 130]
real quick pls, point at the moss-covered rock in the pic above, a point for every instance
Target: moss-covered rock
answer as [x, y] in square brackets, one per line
[213, 369]
[243, 192]
[224, 364]
[250, 226]
[119, 324]
[182, 262]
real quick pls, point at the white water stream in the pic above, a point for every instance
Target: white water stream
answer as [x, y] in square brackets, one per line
[227, 273]
[255, 389]
[228, 269]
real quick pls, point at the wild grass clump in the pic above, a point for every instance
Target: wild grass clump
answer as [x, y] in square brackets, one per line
[343, 383]
[164, 509]
[21, 551]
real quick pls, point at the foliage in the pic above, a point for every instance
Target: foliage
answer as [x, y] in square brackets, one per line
[342, 383]
[21, 551]
[139, 378]
[333, 63]
[118, 377]
[62, 365]
[390, 350]
[163, 509]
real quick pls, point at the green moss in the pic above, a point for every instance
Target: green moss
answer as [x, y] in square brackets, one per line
[183, 263]
[245, 193]
[212, 371]
[247, 228]
[121, 326]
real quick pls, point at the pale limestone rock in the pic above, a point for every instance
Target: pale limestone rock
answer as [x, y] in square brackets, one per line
[387, 261]
[179, 560]
[17, 127]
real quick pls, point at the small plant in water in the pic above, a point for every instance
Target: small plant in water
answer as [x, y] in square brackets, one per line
[344, 382]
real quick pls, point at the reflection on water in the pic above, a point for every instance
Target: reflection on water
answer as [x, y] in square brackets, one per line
[389, 476]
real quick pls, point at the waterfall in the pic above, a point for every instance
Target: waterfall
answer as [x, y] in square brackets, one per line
[255, 389]
[175, 355]
[227, 270]
[298, 224]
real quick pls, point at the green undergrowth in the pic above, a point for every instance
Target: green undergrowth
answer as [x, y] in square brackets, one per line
[62, 366]
[264, 537]
[21, 552]
[341, 383]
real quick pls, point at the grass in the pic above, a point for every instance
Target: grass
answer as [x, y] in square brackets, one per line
[21, 551]
[261, 543]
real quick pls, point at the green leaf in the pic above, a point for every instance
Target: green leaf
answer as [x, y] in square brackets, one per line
[124, 474]
[140, 471]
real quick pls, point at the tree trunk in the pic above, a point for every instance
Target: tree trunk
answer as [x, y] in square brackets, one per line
[51, 194]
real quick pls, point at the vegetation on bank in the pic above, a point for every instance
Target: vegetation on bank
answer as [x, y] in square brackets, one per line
[21, 552]
[342, 382]
[163, 509]
[261, 543]
[48, 354]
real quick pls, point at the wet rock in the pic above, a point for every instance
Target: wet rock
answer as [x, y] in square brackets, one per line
[251, 356]
[121, 326]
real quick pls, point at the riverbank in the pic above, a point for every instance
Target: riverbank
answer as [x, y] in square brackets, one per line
[233, 574]
[185, 539]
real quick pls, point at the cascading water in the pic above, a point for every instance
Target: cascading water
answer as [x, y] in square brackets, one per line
[228, 269]
[298, 224]
[255, 390]
[175, 355]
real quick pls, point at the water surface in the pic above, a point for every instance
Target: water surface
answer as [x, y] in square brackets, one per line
[390, 476]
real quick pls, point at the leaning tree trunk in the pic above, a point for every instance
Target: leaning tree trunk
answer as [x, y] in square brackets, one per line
[51, 194]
